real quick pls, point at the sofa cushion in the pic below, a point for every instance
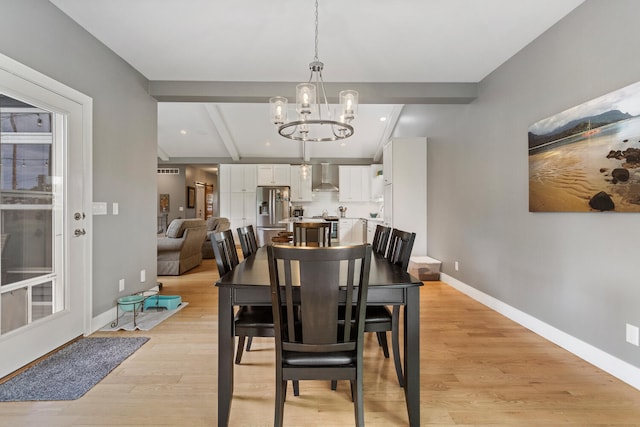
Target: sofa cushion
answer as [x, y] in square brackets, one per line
[212, 222]
[175, 229]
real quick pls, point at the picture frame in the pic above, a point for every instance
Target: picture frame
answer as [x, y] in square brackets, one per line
[587, 158]
[164, 203]
[191, 197]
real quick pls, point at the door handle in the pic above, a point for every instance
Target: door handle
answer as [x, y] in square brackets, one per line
[79, 232]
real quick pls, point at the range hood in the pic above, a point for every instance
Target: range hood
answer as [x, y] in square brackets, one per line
[325, 184]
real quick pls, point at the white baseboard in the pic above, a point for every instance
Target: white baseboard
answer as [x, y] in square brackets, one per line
[608, 363]
[103, 319]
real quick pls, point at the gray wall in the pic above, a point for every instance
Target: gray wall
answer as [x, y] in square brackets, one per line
[40, 36]
[575, 271]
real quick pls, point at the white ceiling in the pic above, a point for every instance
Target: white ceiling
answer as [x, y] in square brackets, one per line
[377, 41]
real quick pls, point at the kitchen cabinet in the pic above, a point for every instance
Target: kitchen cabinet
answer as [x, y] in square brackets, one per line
[238, 194]
[387, 164]
[242, 209]
[405, 190]
[352, 231]
[355, 183]
[241, 178]
[377, 183]
[300, 188]
[274, 175]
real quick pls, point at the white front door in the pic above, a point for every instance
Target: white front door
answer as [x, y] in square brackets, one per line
[45, 269]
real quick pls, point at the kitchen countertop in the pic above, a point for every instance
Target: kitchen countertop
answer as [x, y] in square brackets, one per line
[376, 219]
[293, 219]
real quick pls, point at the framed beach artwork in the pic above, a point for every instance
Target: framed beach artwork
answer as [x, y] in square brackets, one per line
[587, 158]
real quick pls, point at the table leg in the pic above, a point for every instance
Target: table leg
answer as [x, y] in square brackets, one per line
[225, 355]
[412, 355]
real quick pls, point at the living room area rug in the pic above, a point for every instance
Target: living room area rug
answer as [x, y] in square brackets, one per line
[145, 320]
[72, 371]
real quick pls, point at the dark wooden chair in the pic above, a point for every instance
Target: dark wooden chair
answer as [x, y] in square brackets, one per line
[398, 253]
[381, 239]
[248, 241]
[250, 321]
[379, 319]
[312, 234]
[314, 346]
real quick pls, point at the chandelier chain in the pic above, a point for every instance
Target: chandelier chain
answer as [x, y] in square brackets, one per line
[316, 40]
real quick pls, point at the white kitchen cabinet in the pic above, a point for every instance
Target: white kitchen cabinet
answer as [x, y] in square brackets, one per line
[377, 183]
[242, 209]
[387, 164]
[242, 178]
[238, 194]
[274, 175]
[355, 183]
[352, 231]
[300, 188]
[405, 196]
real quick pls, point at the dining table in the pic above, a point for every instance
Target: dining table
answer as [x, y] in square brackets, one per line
[249, 284]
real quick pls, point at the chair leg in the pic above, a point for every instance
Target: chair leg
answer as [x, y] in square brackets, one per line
[296, 387]
[240, 349]
[281, 394]
[249, 341]
[395, 342]
[334, 385]
[358, 403]
[382, 340]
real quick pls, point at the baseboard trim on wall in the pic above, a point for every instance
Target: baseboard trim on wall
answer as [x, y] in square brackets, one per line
[102, 319]
[608, 363]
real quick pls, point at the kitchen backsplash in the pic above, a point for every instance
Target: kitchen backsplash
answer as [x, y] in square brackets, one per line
[329, 201]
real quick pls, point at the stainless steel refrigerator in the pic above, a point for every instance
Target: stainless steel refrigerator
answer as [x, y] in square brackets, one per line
[273, 206]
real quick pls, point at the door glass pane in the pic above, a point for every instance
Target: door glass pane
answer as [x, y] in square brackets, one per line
[27, 214]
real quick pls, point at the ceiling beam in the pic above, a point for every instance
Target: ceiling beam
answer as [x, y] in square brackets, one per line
[162, 155]
[260, 92]
[223, 130]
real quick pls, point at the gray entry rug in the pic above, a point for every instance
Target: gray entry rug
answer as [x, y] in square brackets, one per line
[145, 320]
[71, 372]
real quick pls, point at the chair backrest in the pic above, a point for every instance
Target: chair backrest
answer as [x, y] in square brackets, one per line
[400, 247]
[380, 239]
[224, 249]
[248, 242]
[312, 282]
[312, 234]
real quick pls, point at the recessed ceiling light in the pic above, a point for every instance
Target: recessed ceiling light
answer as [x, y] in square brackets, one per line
[183, 132]
[383, 119]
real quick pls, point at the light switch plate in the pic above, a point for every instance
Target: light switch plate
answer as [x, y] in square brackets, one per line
[99, 208]
[633, 334]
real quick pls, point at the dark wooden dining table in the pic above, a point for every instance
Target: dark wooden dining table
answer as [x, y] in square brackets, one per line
[248, 284]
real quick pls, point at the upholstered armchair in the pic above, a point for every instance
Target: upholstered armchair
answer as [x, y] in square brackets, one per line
[214, 225]
[180, 249]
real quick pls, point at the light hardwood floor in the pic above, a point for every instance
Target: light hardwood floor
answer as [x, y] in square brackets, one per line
[478, 368]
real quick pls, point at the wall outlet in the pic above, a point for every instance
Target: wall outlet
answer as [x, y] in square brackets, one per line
[121, 285]
[456, 266]
[115, 208]
[633, 335]
[143, 275]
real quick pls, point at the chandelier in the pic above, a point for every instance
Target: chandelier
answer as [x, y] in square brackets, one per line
[314, 121]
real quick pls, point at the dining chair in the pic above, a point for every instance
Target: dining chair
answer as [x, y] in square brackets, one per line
[249, 321]
[248, 241]
[312, 234]
[380, 239]
[314, 346]
[378, 319]
[398, 253]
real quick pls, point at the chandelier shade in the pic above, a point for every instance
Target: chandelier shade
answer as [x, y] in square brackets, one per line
[315, 121]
